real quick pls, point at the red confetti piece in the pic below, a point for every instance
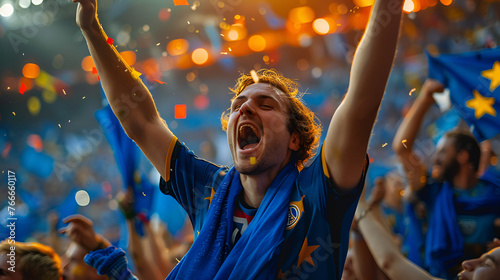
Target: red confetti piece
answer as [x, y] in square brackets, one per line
[158, 81]
[110, 41]
[372, 160]
[180, 111]
[22, 88]
[180, 2]
[6, 150]
[94, 70]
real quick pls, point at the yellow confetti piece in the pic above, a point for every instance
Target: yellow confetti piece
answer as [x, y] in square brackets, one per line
[412, 90]
[252, 160]
[143, 194]
[83, 97]
[254, 76]
[177, 260]
[404, 143]
[135, 74]
[14, 113]
[223, 53]
[8, 87]
[189, 22]
[385, 144]
[222, 35]
[59, 125]
[64, 92]
[69, 121]
[229, 49]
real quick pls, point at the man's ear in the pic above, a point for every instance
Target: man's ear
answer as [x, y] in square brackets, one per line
[294, 143]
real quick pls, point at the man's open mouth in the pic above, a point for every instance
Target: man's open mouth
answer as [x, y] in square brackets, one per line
[248, 137]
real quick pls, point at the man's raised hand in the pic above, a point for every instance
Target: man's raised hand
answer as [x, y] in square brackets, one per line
[86, 14]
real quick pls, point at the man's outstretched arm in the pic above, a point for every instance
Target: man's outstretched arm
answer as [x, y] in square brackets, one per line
[350, 128]
[129, 98]
[407, 132]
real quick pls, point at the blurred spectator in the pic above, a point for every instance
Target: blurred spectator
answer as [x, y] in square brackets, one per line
[31, 261]
[463, 207]
[84, 239]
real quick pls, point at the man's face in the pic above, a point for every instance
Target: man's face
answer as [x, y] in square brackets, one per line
[487, 267]
[257, 130]
[74, 268]
[446, 165]
[5, 273]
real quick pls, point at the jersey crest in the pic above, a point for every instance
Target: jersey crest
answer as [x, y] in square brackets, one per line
[294, 213]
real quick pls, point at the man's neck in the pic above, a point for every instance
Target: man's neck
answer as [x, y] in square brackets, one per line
[466, 179]
[255, 186]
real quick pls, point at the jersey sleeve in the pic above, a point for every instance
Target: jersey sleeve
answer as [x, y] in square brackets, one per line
[191, 181]
[321, 188]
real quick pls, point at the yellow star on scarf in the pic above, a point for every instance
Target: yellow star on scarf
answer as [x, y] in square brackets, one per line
[305, 253]
[212, 193]
[493, 75]
[481, 105]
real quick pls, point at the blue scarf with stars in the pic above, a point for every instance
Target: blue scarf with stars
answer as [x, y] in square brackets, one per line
[255, 255]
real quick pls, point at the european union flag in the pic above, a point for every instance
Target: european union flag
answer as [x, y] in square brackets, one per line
[473, 79]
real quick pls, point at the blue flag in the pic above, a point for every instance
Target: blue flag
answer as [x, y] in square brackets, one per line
[126, 155]
[473, 79]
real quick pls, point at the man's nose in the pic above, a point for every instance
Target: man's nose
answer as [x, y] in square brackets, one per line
[247, 108]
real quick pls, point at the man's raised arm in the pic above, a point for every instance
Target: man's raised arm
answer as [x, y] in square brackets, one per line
[350, 128]
[404, 139]
[129, 98]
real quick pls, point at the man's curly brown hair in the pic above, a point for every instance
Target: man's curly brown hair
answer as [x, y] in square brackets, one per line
[302, 120]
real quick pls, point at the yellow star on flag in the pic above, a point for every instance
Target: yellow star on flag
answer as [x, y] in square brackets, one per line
[212, 193]
[305, 253]
[493, 75]
[481, 105]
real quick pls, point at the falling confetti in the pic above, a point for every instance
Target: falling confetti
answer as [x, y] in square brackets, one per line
[158, 81]
[94, 70]
[412, 90]
[69, 121]
[229, 49]
[385, 144]
[59, 125]
[22, 89]
[223, 53]
[14, 113]
[180, 111]
[135, 74]
[64, 92]
[404, 143]
[188, 22]
[252, 160]
[158, 44]
[110, 41]
[254, 76]
[181, 3]
[143, 194]
[8, 87]
[83, 97]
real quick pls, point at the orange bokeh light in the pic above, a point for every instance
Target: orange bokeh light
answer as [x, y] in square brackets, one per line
[446, 2]
[199, 56]
[303, 14]
[363, 3]
[31, 70]
[177, 47]
[88, 64]
[129, 57]
[151, 68]
[257, 43]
